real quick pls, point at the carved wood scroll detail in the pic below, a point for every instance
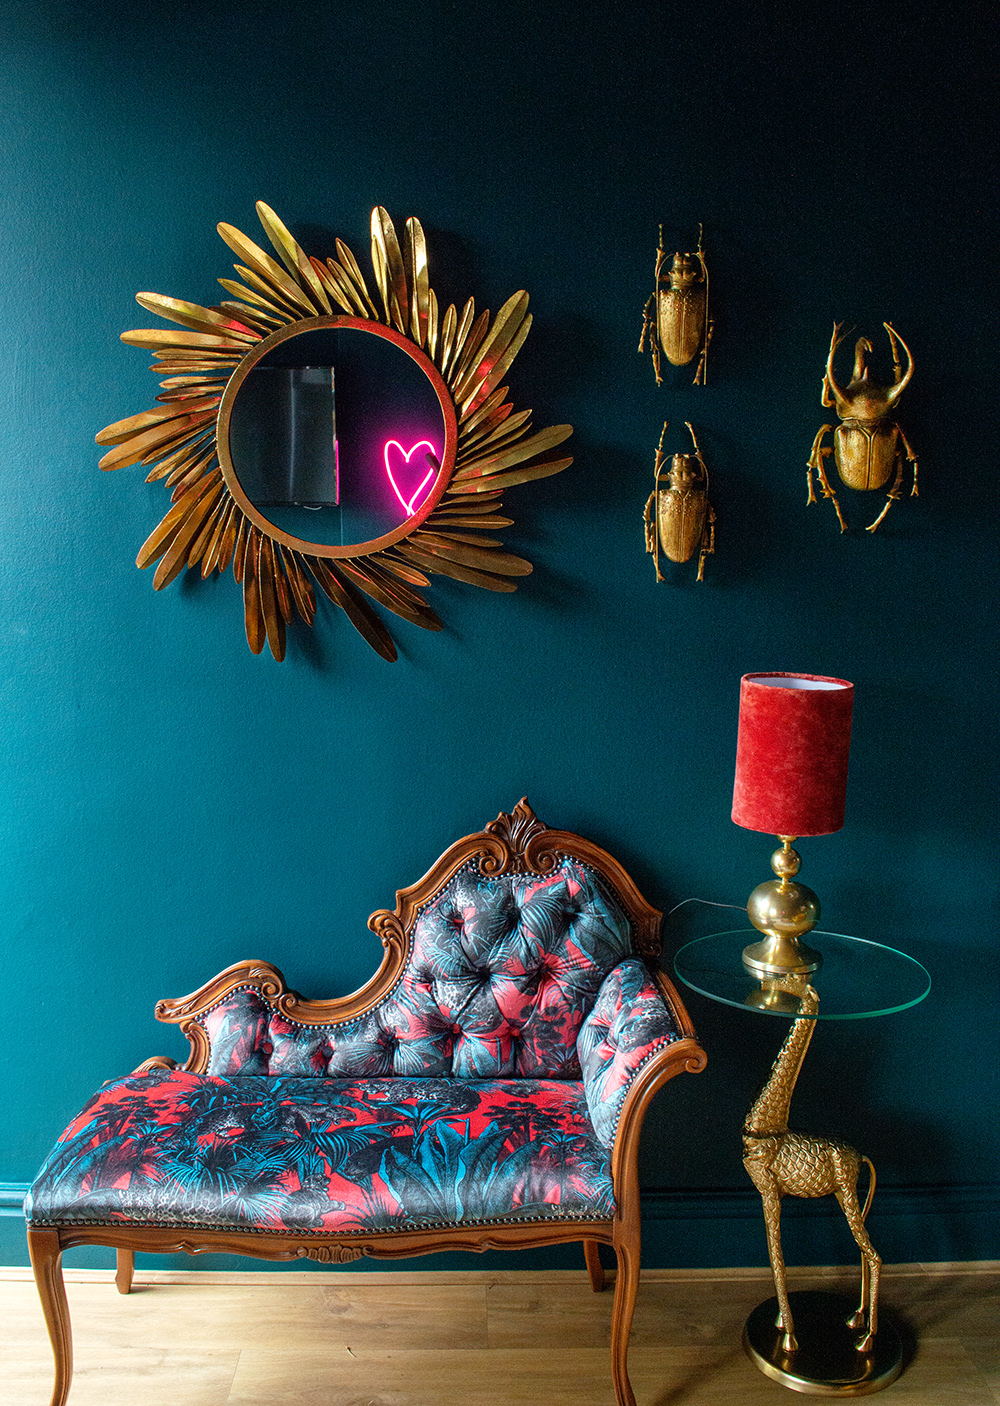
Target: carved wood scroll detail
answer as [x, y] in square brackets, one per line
[329, 1254]
[515, 832]
[155, 1062]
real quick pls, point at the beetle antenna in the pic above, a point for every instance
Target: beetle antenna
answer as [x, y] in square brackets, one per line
[659, 450]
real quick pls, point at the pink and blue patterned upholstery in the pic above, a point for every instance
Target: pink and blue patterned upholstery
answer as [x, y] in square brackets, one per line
[484, 1087]
[324, 1156]
[502, 973]
[629, 1022]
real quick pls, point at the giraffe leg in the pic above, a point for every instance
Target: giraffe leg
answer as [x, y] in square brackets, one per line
[592, 1255]
[847, 1195]
[771, 1198]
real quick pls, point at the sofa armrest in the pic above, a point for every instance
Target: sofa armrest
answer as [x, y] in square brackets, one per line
[629, 1023]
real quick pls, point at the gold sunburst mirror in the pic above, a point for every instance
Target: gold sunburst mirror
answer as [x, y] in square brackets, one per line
[376, 518]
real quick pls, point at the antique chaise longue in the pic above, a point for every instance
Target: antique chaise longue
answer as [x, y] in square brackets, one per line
[484, 1090]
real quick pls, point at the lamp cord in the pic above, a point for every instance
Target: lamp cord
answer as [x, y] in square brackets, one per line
[740, 907]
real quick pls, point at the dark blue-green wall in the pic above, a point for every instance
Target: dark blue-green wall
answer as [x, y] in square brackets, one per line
[171, 804]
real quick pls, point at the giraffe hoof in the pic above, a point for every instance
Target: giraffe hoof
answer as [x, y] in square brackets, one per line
[789, 1343]
[866, 1343]
[856, 1320]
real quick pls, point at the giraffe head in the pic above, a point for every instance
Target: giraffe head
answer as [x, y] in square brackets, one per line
[798, 986]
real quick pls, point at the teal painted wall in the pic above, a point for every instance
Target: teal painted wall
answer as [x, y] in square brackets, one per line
[171, 804]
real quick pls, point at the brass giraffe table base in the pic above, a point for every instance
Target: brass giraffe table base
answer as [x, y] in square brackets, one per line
[819, 1344]
[826, 1361]
[815, 1343]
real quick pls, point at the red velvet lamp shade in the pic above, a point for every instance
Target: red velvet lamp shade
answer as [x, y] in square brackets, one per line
[791, 780]
[791, 753]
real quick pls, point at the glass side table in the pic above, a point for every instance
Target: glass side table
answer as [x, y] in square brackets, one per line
[815, 1343]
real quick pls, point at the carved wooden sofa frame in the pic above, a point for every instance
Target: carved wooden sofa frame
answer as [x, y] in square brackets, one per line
[628, 1054]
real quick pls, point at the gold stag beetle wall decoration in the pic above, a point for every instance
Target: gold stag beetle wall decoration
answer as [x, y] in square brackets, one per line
[869, 447]
[676, 314]
[679, 519]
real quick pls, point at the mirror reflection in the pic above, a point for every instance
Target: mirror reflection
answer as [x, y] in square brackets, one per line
[330, 435]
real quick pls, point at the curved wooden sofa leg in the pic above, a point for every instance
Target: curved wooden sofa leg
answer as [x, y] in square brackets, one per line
[592, 1254]
[46, 1261]
[125, 1270]
[626, 1291]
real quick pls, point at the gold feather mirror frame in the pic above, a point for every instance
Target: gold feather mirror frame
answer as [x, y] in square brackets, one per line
[184, 439]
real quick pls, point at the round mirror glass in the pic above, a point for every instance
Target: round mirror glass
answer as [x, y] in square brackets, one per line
[332, 433]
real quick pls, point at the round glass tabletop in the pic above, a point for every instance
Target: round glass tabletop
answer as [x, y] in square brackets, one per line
[858, 978]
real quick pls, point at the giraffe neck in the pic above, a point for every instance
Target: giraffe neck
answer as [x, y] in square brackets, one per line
[769, 1113]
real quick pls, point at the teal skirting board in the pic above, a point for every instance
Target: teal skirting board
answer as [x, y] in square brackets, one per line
[694, 1229]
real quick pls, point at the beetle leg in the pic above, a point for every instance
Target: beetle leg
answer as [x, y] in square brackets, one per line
[840, 515]
[911, 458]
[650, 514]
[888, 504]
[649, 330]
[701, 375]
[647, 522]
[707, 542]
[816, 461]
[647, 321]
[893, 494]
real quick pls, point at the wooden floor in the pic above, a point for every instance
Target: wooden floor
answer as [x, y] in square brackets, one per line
[472, 1339]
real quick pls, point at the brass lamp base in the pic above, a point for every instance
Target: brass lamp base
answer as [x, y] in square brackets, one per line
[778, 955]
[826, 1361]
[784, 912]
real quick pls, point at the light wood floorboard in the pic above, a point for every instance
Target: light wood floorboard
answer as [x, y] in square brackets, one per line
[476, 1339]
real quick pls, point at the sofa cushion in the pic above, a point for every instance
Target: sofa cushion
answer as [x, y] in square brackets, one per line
[630, 1021]
[501, 974]
[324, 1155]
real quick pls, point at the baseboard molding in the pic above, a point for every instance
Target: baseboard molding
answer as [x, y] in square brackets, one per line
[12, 1194]
[744, 1204]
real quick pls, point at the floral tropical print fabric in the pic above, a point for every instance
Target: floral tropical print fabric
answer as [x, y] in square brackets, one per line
[502, 973]
[629, 1022]
[325, 1156]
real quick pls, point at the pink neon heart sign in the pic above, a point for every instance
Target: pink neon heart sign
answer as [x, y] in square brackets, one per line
[407, 484]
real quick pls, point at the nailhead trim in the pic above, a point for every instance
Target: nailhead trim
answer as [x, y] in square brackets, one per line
[339, 1234]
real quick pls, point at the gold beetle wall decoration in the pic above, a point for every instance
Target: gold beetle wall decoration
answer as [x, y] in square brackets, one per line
[185, 438]
[675, 318]
[869, 447]
[678, 518]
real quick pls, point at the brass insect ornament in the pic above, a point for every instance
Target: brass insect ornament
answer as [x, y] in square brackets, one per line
[676, 314]
[678, 518]
[869, 447]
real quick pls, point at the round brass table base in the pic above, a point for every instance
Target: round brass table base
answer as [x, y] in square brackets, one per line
[826, 1362]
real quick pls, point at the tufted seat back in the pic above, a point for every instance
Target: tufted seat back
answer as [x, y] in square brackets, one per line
[501, 974]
